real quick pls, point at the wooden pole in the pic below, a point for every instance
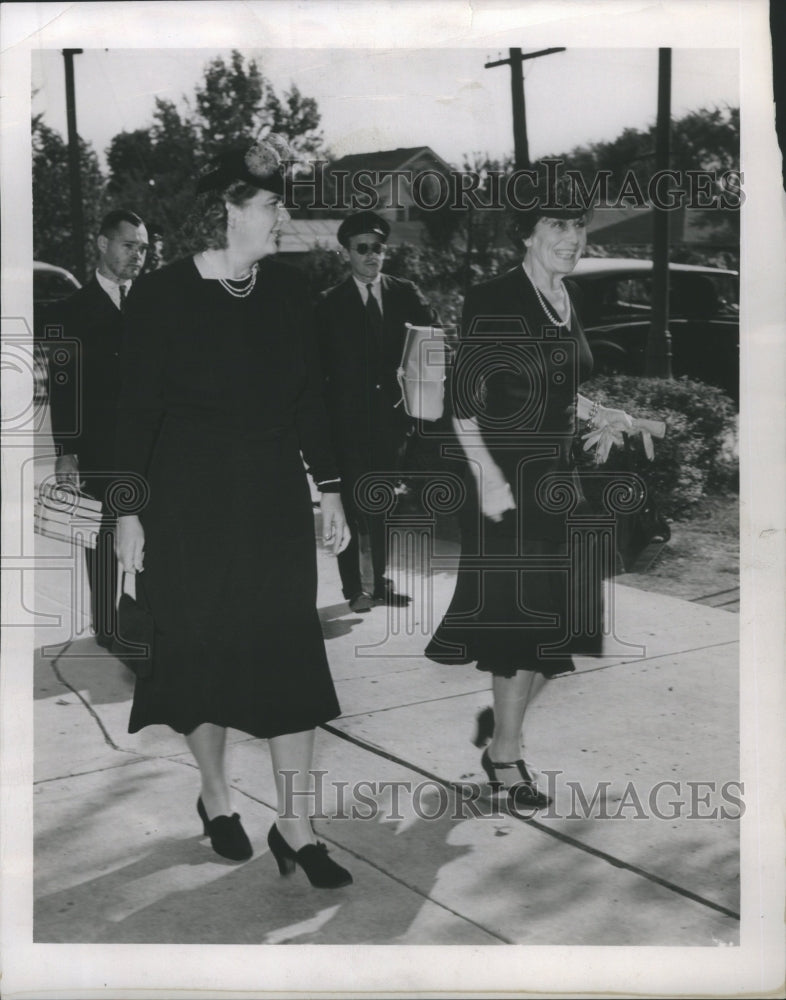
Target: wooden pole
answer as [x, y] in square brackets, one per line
[74, 174]
[520, 145]
[516, 62]
[658, 355]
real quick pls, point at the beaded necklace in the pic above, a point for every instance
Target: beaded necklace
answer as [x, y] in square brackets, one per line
[555, 320]
[242, 291]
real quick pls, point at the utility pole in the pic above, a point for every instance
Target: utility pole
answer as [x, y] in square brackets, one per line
[516, 62]
[658, 355]
[74, 176]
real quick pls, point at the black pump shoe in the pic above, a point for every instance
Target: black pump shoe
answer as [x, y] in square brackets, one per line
[322, 873]
[523, 794]
[227, 835]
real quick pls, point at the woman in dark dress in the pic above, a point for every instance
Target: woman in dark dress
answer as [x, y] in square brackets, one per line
[221, 394]
[520, 360]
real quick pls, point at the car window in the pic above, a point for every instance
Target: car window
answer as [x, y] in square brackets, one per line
[728, 291]
[704, 296]
[691, 296]
[633, 295]
[617, 299]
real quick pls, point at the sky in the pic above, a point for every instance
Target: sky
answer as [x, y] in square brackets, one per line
[373, 99]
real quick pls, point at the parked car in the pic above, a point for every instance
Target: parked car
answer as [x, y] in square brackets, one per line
[616, 310]
[50, 284]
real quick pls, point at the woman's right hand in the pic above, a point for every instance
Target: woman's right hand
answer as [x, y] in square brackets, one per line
[130, 546]
[496, 496]
[615, 420]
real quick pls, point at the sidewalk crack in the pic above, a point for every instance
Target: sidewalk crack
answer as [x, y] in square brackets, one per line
[90, 710]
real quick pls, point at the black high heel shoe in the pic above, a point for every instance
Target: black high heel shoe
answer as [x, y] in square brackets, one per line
[322, 873]
[523, 794]
[227, 836]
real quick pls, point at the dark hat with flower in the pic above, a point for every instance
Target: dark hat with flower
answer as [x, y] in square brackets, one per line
[263, 165]
[360, 223]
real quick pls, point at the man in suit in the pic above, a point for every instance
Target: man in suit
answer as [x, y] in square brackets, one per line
[84, 388]
[361, 324]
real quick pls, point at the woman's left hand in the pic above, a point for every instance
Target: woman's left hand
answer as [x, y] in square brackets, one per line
[335, 529]
[609, 426]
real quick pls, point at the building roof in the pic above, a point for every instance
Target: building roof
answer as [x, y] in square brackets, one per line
[385, 159]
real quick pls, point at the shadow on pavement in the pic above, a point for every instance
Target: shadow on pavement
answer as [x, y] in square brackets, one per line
[179, 891]
[333, 622]
[85, 666]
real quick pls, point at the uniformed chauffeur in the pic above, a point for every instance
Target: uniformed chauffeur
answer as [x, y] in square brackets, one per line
[361, 325]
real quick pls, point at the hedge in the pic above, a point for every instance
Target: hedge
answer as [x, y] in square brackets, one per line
[696, 458]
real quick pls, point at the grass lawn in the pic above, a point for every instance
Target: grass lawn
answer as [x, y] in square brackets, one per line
[702, 557]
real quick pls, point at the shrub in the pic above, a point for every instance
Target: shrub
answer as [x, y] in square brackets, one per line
[324, 268]
[695, 457]
[438, 274]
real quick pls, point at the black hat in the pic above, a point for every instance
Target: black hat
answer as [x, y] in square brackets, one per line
[363, 222]
[262, 164]
[545, 197]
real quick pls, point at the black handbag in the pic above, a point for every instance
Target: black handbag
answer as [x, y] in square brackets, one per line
[133, 641]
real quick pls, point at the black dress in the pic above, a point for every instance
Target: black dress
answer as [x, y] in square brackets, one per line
[220, 395]
[528, 591]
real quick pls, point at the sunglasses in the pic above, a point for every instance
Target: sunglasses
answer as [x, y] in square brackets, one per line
[364, 248]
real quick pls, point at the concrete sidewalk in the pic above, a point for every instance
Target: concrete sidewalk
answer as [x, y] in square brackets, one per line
[119, 851]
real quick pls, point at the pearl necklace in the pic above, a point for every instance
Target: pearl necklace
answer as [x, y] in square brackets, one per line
[244, 291]
[555, 320]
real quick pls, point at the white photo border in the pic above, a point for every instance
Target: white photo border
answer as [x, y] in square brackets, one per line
[124, 970]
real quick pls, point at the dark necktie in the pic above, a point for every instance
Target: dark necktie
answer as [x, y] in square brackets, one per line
[374, 315]
[123, 294]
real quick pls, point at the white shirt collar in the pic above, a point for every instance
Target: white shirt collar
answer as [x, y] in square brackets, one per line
[376, 288]
[374, 284]
[112, 288]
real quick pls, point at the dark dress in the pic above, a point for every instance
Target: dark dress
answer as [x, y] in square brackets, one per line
[528, 590]
[220, 395]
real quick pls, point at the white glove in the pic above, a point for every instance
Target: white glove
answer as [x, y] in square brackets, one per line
[495, 493]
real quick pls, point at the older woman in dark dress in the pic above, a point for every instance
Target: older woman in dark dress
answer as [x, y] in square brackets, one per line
[521, 357]
[221, 395]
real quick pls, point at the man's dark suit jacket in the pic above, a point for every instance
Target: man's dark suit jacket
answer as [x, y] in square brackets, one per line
[84, 382]
[368, 422]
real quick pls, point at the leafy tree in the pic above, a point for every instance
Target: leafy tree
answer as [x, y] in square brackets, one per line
[707, 139]
[298, 119]
[153, 170]
[52, 225]
[230, 104]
